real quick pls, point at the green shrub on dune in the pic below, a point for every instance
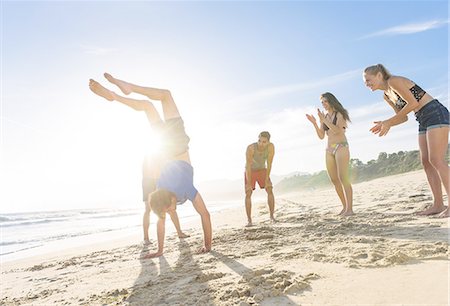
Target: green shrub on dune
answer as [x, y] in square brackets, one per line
[384, 165]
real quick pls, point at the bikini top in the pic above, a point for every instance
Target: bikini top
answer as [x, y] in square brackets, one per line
[417, 92]
[325, 127]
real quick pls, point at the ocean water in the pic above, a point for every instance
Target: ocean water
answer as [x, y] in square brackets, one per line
[30, 233]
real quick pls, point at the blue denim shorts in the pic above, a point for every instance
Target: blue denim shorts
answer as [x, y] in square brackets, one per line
[432, 115]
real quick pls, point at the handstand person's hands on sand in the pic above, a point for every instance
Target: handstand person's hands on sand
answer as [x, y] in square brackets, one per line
[204, 250]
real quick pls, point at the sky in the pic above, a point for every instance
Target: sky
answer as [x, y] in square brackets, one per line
[234, 68]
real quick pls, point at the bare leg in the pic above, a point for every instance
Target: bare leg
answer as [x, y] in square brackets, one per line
[170, 109]
[138, 105]
[271, 202]
[342, 161]
[248, 206]
[433, 178]
[146, 222]
[141, 105]
[437, 140]
[123, 86]
[333, 174]
[176, 222]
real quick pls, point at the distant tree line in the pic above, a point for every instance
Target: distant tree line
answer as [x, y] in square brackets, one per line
[384, 165]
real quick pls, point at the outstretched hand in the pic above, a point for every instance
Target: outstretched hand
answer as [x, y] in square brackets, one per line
[311, 118]
[376, 128]
[381, 128]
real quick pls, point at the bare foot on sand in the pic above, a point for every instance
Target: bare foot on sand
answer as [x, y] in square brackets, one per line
[183, 235]
[433, 210]
[249, 224]
[152, 255]
[445, 213]
[342, 211]
[101, 91]
[123, 86]
[347, 213]
[273, 220]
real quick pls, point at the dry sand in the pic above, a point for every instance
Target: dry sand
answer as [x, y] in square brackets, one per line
[384, 255]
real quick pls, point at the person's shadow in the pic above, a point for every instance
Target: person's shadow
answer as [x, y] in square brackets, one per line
[247, 275]
[169, 285]
[146, 279]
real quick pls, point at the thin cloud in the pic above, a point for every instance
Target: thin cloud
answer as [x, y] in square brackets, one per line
[287, 89]
[411, 28]
[94, 50]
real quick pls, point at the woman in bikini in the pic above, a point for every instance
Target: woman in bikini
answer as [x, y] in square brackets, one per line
[337, 156]
[405, 96]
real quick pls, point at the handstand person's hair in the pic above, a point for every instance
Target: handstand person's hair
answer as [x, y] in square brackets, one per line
[159, 200]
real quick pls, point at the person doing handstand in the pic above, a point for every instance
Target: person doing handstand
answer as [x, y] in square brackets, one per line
[174, 146]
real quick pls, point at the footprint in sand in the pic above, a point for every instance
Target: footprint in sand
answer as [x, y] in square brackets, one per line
[259, 236]
[208, 277]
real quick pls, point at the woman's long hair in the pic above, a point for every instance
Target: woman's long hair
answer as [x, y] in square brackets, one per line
[336, 105]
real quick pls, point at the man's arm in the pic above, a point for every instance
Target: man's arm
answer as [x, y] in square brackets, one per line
[200, 207]
[248, 165]
[270, 156]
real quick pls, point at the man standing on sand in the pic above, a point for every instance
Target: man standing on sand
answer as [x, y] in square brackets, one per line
[259, 158]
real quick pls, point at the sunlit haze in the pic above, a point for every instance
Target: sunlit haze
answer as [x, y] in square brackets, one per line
[234, 70]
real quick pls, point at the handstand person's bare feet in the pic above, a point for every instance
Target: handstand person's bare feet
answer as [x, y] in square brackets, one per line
[123, 86]
[101, 91]
[433, 210]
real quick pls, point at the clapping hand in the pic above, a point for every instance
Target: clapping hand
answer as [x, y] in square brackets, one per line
[321, 115]
[381, 128]
[311, 118]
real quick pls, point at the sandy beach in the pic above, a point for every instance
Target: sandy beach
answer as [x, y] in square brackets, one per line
[384, 255]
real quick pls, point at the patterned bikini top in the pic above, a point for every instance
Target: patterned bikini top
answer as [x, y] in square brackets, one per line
[417, 92]
[325, 127]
